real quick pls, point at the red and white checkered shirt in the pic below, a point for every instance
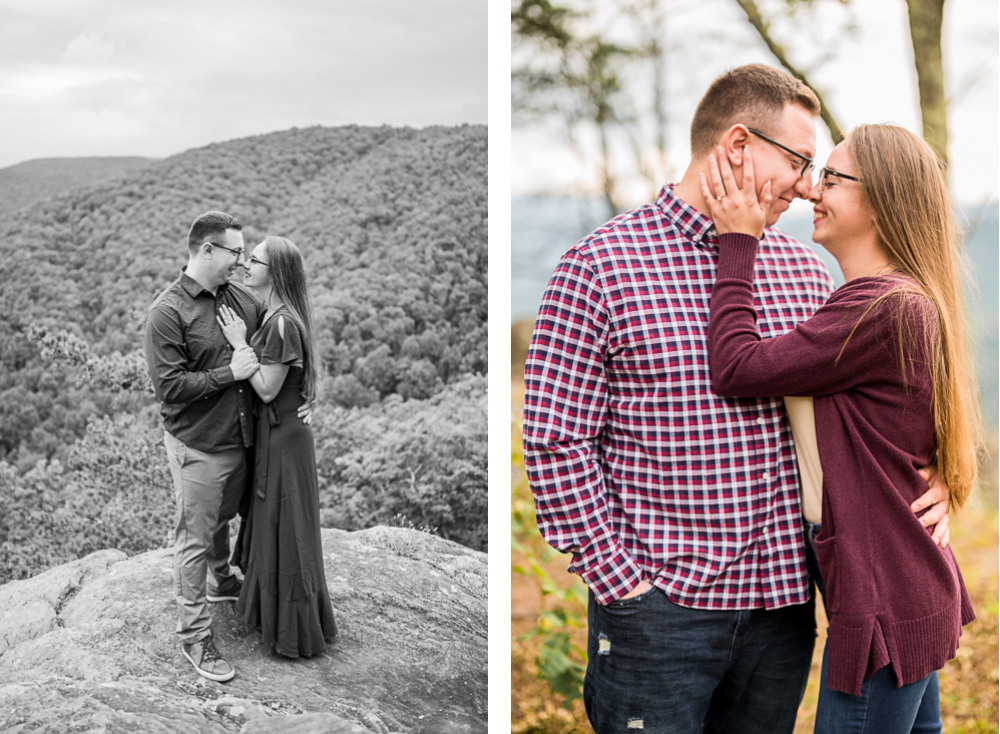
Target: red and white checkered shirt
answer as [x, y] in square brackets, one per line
[636, 465]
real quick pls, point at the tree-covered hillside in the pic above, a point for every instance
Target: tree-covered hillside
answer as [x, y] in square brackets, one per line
[391, 222]
[29, 182]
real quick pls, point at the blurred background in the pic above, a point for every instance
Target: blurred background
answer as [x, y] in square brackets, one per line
[602, 98]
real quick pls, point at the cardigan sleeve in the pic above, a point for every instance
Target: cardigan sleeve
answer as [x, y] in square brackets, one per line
[839, 347]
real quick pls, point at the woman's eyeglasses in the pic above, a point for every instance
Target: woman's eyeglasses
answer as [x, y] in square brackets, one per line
[825, 172]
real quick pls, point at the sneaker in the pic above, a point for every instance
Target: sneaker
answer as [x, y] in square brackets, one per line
[207, 661]
[233, 595]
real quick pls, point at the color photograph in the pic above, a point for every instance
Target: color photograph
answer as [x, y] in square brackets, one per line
[754, 376]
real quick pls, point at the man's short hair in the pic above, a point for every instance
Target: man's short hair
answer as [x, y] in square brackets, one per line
[754, 95]
[209, 225]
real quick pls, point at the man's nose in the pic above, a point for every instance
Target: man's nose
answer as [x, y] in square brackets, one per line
[804, 186]
[816, 192]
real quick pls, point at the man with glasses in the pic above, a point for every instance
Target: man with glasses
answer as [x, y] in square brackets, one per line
[208, 423]
[682, 510]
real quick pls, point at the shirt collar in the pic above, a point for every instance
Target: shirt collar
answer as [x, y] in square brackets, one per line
[694, 225]
[195, 289]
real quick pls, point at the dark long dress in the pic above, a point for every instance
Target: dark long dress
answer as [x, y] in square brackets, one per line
[284, 587]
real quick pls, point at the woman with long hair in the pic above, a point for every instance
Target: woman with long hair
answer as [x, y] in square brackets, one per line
[284, 588]
[887, 363]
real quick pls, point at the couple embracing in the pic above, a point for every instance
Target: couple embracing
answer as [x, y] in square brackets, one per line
[713, 432]
[236, 370]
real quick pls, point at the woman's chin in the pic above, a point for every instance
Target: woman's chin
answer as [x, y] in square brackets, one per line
[817, 235]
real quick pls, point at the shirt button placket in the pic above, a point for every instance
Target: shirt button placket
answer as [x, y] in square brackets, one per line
[763, 544]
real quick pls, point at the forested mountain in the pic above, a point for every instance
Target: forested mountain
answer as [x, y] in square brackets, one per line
[392, 223]
[31, 181]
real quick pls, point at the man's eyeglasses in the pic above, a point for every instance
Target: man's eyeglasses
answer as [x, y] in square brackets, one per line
[238, 253]
[255, 261]
[824, 172]
[807, 162]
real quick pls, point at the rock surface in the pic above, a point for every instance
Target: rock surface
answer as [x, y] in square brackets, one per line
[90, 647]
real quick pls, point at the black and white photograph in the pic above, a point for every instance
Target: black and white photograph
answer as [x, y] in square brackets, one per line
[243, 367]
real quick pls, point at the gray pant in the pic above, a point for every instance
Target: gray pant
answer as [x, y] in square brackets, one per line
[207, 488]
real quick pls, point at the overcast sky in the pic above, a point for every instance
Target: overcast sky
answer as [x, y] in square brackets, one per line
[120, 77]
[868, 78]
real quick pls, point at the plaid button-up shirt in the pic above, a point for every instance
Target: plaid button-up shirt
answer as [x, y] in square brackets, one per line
[637, 467]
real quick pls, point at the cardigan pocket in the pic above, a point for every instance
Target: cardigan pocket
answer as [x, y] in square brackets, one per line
[826, 554]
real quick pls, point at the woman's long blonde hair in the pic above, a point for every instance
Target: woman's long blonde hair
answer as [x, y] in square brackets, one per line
[904, 188]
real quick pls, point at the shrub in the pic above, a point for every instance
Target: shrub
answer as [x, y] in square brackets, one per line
[113, 492]
[425, 459]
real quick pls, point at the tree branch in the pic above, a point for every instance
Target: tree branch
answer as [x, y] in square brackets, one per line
[754, 17]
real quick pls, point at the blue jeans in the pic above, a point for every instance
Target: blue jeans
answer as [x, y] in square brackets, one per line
[812, 563]
[881, 708]
[657, 667]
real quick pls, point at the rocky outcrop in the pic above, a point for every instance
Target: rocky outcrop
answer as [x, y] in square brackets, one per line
[90, 646]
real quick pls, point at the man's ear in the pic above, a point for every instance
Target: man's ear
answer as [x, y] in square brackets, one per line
[733, 143]
[206, 250]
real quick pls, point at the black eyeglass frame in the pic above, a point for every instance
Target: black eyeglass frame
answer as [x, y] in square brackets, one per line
[238, 253]
[824, 172]
[808, 166]
[254, 261]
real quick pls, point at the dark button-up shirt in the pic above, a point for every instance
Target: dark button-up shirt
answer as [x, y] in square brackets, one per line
[637, 466]
[202, 405]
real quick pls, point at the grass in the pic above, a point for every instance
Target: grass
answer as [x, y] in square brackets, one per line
[969, 683]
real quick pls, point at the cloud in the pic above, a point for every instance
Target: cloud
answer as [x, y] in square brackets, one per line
[89, 77]
[87, 47]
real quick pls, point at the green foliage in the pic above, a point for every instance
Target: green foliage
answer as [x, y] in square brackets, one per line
[559, 662]
[556, 662]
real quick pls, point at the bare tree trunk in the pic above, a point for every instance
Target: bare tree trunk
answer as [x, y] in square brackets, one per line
[658, 55]
[926, 19]
[753, 16]
[607, 181]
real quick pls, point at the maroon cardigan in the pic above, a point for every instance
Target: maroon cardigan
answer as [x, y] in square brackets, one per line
[893, 596]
